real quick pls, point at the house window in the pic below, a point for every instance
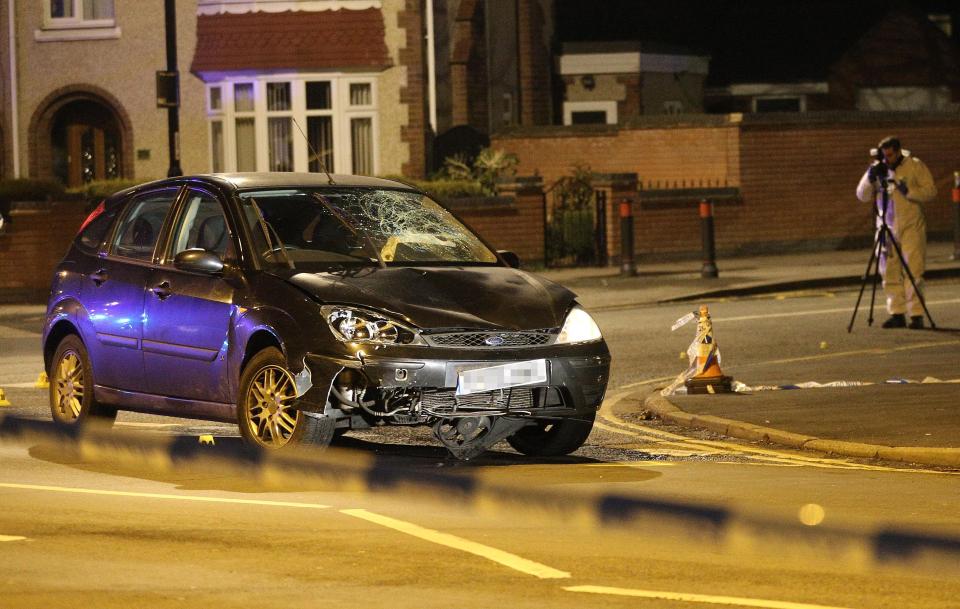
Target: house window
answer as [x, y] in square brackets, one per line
[77, 20]
[216, 146]
[589, 117]
[279, 127]
[294, 123]
[80, 10]
[779, 104]
[673, 107]
[590, 113]
[216, 99]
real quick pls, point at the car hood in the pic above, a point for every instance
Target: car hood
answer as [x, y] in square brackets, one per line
[446, 297]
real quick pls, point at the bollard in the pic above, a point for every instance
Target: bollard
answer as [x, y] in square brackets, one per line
[628, 266]
[709, 270]
[956, 216]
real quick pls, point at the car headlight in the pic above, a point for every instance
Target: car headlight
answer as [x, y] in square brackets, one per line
[356, 325]
[579, 327]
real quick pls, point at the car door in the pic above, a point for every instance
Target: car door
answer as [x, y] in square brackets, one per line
[187, 315]
[113, 291]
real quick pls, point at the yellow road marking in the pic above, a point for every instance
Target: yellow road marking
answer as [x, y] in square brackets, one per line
[686, 597]
[11, 538]
[767, 456]
[93, 491]
[632, 464]
[648, 382]
[506, 559]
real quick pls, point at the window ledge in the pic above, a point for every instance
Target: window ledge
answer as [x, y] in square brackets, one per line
[76, 33]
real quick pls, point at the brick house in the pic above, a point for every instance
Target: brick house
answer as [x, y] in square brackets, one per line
[78, 99]
[613, 82]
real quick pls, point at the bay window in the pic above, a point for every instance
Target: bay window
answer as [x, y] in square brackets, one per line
[299, 122]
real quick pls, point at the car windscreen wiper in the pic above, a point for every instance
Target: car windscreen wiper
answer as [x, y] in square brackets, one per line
[266, 228]
[342, 217]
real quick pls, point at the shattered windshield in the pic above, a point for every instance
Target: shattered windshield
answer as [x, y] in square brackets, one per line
[300, 228]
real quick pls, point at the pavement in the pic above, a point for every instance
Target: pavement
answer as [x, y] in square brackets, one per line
[920, 422]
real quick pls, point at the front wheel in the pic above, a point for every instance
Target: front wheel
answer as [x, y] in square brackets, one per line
[266, 412]
[71, 385]
[553, 438]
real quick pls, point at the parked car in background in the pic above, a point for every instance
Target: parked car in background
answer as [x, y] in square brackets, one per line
[301, 306]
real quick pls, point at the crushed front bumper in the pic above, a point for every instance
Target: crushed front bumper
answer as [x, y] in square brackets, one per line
[578, 373]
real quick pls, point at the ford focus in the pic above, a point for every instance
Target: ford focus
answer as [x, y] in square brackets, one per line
[303, 306]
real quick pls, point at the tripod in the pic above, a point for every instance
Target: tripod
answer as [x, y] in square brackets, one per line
[883, 234]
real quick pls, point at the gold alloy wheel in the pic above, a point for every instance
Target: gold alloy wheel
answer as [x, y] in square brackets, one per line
[69, 387]
[269, 401]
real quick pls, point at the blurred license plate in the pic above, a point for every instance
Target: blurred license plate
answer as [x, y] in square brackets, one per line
[516, 374]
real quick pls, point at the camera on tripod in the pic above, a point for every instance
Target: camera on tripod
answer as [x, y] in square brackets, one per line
[879, 170]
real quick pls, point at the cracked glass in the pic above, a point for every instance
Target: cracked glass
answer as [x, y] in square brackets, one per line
[304, 228]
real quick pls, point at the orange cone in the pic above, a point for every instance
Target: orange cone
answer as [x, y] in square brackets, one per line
[708, 378]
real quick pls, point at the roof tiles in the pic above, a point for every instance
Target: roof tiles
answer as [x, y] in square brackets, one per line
[295, 40]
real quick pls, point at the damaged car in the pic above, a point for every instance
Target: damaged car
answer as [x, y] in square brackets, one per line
[303, 306]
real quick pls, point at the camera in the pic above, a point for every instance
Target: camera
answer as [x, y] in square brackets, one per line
[879, 170]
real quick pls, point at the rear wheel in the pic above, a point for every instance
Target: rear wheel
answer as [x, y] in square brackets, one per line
[552, 438]
[266, 412]
[71, 385]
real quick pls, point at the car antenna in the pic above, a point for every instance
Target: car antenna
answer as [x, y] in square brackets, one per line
[313, 151]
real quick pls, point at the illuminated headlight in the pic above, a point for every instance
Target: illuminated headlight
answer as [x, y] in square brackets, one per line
[354, 325]
[579, 327]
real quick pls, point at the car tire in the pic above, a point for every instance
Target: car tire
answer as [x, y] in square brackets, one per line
[71, 385]
[552, 438]
[264, 412]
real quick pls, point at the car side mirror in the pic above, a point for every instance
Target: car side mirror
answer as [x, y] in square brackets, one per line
[512, 260]
[199, 261]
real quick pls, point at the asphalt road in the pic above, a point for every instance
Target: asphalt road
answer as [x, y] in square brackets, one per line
[800, 528]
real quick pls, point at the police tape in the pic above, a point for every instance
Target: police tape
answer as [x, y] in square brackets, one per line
[344, 470]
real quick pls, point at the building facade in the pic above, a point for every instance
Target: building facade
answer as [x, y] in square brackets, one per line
[80, 97]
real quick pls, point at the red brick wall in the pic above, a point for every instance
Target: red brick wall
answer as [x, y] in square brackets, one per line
[414, 133]
[796, 174]
[515, 225]
[798, 182]
[693, 153]
[32, 246]
[468, 67]
[534, 64]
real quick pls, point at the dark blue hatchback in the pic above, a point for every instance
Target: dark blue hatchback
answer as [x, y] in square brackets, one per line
[301, 306]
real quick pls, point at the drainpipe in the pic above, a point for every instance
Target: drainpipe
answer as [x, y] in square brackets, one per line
[431, 67]
[14, 115]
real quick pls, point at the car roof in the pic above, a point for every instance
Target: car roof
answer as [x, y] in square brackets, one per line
[243, 181]
[291, 179]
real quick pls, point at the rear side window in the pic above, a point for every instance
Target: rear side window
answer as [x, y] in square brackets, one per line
[137, 235]
[95, 228]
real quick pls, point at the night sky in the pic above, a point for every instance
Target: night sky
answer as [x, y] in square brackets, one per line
[745, 38]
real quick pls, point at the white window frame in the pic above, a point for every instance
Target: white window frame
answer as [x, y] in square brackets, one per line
[801, 98]
[610, 107]
[76, 27]
[341, 112]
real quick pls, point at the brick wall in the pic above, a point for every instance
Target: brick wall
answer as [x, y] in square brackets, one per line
[32, 246]
[796, 173]
[414, 133]
[534, 64]
[512, 223]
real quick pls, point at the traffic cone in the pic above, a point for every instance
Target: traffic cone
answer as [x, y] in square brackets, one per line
[3, 398]
[708, 378]
[42, 381]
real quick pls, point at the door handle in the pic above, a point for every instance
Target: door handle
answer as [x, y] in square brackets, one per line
[99, 277]
[162, 290]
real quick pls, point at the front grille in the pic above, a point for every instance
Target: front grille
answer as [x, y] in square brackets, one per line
[446, 402]
[482, 340]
